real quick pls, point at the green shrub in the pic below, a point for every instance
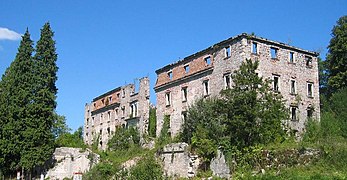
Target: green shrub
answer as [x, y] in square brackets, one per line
[124, 139]
[146, 168]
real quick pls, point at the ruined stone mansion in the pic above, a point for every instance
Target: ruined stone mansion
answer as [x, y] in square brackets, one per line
[121, 107]
[293, 71]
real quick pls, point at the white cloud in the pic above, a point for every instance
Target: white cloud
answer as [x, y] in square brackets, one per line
[6, 34]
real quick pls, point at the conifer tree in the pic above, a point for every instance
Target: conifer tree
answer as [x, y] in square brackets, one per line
[38, 134]
[15, 96]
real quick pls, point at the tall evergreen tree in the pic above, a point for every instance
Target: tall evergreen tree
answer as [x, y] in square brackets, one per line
[39, 137]
[15, 96]
[337, 57]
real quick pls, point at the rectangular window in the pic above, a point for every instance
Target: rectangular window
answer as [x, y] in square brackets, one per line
[116, 113]
[309, 113]
[291, 57]
[133, 107]
[293, 113]
[103, 101]
[227, 81]
[87, 121]
[276, 83]
[206, 88]
[92, 121]
[123, 111]
[308, 61]
[254, 48]
[186, 68]
[110, 99]
[273, 52]
[227, 51]
[184, 94]
[292, 87]
[310, 89]
[123, 93]
[168, 99]
[118, 95]
[169, 74]
[208, 60]
[108, 116]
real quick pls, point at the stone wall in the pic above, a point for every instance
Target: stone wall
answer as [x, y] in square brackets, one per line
[121, 107]
[70, 161]
[178, 162]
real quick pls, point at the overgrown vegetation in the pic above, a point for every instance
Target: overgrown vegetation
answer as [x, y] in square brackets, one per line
[247, 115]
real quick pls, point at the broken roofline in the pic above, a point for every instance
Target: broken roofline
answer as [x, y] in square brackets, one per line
[222, 43]
[108, 93]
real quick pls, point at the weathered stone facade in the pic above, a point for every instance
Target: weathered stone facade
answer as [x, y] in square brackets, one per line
[294, 72]
[69, 162]
[178, 161]
[121, 107]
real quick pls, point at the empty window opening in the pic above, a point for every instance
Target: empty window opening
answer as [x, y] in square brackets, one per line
[292, 87]
[309, 112]
[110, 99]
[108, 116]
[184, 94]
[273, 53]
[123, 111]
[276, 83]
[255, 48]
[206, 88]
[227, 51]
[208, 60]
[291, 57]
[186, 68]
[123, 93]
[308, 60]
[309, 89]
[133, 107]
[293, 112]
[168, 99]
[87, 121]
[169, 74]
[227, 81]
[92, 121]
[118, 95]
[116, 113]
[103, 101]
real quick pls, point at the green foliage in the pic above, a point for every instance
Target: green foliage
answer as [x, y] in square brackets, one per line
[124, 139]
[27, 110]
[15, 106]
[254, 112]
[247, 115]
[146, 168]
[59, 126]
[337, 56]
[152, 122]
[165, 135]
[71, 140]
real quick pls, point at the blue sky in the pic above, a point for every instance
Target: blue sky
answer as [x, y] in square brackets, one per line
[105, 44]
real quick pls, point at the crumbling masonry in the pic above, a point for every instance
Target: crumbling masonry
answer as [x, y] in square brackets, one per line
[121, 107]
[294, 72]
